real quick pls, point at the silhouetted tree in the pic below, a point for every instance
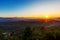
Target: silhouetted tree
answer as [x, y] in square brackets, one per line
[27, 34]
[1, 35]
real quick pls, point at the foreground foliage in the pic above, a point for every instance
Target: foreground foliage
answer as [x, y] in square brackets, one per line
[33, 33]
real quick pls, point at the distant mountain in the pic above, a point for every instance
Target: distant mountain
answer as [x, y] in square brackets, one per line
[10, 19]
[18, 19]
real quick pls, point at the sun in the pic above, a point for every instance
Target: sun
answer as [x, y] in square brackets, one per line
[46, 16]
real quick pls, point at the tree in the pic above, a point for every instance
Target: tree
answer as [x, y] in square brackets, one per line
[27, 34]
[1, 35]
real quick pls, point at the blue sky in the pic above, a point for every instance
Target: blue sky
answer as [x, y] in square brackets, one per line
[9, 7]
[29, 8]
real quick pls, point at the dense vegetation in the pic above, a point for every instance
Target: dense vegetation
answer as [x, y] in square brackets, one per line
[33, 33]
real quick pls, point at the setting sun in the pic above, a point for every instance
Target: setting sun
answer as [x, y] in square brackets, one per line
[46, 16]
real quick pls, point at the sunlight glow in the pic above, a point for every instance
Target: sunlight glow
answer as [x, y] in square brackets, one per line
[46, 16]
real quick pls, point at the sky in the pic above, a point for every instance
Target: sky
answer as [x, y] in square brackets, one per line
[29, 8]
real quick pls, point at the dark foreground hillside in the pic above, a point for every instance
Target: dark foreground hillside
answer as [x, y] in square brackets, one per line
[19, 25]
[35, 33]
[30, 30]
